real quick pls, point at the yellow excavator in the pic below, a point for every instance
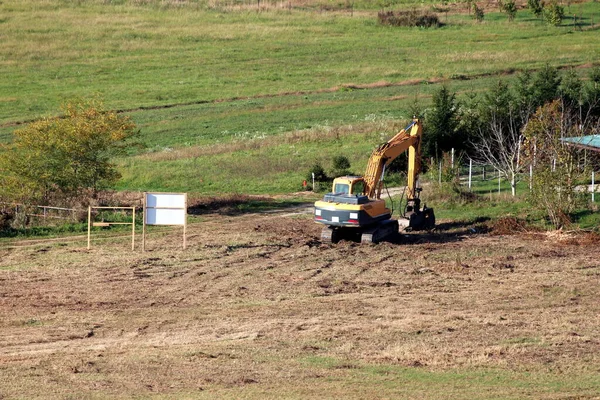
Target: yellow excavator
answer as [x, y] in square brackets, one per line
[354, 208]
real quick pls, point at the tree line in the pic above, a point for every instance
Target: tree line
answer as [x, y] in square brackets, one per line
[517, 127]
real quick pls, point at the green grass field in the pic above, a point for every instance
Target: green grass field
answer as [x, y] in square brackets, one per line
[138, 56]
[232, 100]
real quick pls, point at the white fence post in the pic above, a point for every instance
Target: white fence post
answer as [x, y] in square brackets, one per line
[470, 172]
[530, 177]
[498, 181]
[593, 186]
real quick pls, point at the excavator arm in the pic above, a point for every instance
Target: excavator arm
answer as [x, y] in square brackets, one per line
[409, 139]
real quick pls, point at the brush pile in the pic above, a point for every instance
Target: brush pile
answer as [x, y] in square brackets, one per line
[423, 19]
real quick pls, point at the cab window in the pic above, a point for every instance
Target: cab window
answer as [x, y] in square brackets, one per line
[341, 188]
[358, 188]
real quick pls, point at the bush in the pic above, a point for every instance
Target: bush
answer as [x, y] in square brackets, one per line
[536, 7]
[319, 171]
[6, 218]
[341, 163]
[341, 166]
[510, 8]
[555, 14]
[423, 19]
[478, 13]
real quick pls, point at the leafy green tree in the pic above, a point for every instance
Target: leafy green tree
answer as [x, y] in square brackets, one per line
[555, 13]
[441, 125]
[536, 7]
[510, 8]
[60, 156]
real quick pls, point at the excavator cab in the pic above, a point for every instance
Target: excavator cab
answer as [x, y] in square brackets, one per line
[349, 185]
[347, 190]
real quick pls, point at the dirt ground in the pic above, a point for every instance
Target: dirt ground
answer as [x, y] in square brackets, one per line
[256, 307]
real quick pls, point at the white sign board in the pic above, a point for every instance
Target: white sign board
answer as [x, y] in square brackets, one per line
[166, 200]
[166, 208]
[157, 216]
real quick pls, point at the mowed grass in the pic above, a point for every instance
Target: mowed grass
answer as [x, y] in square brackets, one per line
[135, 55]
[267, 145]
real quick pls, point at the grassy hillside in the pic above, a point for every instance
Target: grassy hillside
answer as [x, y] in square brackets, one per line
[229, 99]
[143, 55]
[267, 145]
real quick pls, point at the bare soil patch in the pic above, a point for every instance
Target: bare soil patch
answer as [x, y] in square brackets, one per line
[257, 307]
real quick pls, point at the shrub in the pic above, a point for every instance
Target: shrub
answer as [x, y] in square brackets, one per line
[319, 171]
[341, 163]
[555, 14]
[478, 13]
[341, 166]
[6, 218]
[536, 7]
[510, 8]
[423, 19]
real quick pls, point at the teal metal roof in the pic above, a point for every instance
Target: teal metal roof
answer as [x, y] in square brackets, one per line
[589, 142]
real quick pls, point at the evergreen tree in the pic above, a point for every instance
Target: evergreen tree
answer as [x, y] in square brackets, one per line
[524, 95]
[545, 83]
[591, 92]
[441, 125]
[571, 90]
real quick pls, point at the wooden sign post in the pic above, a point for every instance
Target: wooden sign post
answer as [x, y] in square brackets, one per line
[103, 223]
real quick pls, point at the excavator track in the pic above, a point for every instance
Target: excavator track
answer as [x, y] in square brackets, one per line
[376, 234]
[381, 232]
[329, 235]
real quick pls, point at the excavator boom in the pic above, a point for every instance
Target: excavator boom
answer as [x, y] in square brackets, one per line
[409, 139]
